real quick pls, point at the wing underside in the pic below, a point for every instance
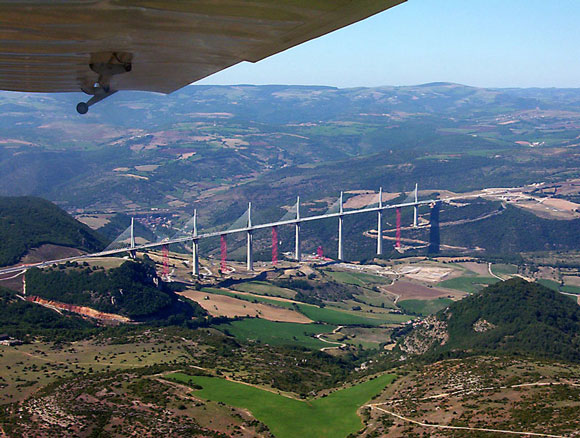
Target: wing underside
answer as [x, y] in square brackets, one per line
[50, 45]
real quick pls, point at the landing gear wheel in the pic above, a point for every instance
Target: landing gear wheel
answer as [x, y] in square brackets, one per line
[82, 108]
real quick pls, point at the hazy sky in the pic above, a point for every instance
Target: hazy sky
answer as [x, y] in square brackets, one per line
[488, 43]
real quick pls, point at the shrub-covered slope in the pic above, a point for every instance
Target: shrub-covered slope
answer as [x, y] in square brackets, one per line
[23, 319]
[29, 222]
[513, 316]
[132, 290]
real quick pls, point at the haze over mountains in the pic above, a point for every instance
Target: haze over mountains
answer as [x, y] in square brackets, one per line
[138, 150]
[215, 148]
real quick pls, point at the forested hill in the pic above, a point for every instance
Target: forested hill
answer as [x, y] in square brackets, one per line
[514, 316]
[133, 290]
[29, 222]
[26, 320]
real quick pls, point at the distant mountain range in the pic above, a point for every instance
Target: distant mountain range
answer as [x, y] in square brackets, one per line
[215, 148]
[279, 104]
[146, 149]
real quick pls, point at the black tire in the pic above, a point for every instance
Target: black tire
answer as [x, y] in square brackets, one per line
[82, 108]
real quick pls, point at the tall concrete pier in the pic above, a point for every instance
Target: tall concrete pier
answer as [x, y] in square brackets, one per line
[297, 242]
[195, 248]
[380, 224]
[415, 207]
[250, 241]
[120, 245]
[340, 225]
[132, 252]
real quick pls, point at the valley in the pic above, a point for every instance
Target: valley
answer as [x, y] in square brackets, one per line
[468, 328]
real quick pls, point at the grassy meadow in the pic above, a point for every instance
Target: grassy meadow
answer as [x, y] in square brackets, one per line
[333, 416]
[277, 333]
[424, 307]
[468, 284]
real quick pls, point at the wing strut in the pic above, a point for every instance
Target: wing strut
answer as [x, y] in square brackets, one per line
[118, 63]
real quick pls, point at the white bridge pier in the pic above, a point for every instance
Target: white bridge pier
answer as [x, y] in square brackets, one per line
[249, 229]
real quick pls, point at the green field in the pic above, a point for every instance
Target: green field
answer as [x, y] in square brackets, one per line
[468, 284]
[277, 333]
[368, 338]
[318, 314]
[265, 288]
[332, 417]
[570, 289]
[251, 299]
[573, 298]
[554, 285]
[551, 284]
[339, 317]
[365, 309]
[503, 269]
[337, 130]
[376, 299]
[424, 307]
[357, 278]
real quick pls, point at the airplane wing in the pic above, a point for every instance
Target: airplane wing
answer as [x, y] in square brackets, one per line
[154, 45]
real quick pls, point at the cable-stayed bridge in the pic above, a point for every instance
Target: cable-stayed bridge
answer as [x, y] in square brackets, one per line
[126, 242]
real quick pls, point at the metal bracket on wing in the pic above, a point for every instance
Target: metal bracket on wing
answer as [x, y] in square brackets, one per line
[118, 63]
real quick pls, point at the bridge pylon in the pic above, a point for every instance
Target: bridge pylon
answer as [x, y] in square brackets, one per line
[250, 241]
[132, 252]
[195, 248]
[274, 245]
[416, 206]
[340, 233]
[380, 224]
[297, 254]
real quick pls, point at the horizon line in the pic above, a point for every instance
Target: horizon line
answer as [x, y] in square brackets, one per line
[434, 83]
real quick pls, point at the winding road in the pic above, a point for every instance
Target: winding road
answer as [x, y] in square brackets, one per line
[443, 426]
[338, 344]
[378, 407]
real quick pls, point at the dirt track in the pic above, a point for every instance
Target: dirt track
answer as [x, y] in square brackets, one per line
[477, 429]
